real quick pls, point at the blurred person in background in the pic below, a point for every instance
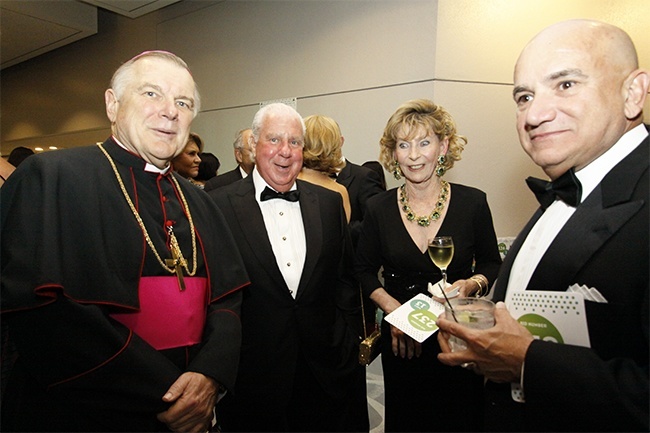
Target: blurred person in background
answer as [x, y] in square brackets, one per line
[243, 156]
[376, 166]
[208, 168]
[18, 155]
[187, 162]
[322, 157]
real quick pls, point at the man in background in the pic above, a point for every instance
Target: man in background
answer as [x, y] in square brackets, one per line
[244, 158]
[580, 95]
[361, 183]
[19, 154]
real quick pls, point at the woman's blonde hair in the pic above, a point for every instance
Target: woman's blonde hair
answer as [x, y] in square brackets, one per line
[413, 116]
[322, 151]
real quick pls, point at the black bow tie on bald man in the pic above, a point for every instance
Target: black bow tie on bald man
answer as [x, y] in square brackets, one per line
[268, 194]
[566, 187]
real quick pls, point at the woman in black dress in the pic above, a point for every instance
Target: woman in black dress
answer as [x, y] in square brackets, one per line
[419, 144]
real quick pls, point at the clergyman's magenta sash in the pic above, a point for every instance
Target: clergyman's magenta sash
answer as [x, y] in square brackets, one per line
[168, 318]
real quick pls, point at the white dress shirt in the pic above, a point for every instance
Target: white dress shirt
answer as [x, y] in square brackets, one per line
[557, 214]
[283, 221]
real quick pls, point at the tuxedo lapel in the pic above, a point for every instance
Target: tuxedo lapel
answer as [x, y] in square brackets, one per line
[311, 218]
[584, 234]
[249, 217]
[595, 220]
[600, 216]
[345, 175]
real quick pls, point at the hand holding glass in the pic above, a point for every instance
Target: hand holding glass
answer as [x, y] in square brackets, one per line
[476, 313]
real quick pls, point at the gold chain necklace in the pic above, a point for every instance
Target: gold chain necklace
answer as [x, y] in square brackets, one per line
[177, 255]
[424, 221]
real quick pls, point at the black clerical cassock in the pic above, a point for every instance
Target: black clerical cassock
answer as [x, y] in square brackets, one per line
[74, 259]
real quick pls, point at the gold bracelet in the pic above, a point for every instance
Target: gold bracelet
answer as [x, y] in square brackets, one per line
[480, 287]
[487, 286]
[481, 281]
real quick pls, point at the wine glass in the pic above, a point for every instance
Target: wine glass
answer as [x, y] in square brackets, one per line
[441, 251]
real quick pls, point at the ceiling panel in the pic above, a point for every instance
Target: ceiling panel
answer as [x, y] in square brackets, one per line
[131, 8]
[31, 28]
[36, 35]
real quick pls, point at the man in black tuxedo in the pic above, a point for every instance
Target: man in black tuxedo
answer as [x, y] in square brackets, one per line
[244, 158]
[300, 317]
[580, 95]
[361, 183]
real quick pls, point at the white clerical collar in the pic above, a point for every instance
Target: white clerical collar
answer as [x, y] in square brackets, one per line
[147, 167]
[591, 175]
[260, 184]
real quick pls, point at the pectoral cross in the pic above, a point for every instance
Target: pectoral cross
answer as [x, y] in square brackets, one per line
[177, 261]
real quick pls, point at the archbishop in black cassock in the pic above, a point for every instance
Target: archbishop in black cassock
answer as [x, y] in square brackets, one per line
[73, 255]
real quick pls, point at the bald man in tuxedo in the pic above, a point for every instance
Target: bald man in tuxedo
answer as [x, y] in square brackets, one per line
[580, 95]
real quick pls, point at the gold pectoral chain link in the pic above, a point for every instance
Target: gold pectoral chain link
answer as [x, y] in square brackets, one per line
[173, 242]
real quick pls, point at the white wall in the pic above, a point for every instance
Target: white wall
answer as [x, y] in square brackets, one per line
[478, 43]
[351, 60]
[354, 60]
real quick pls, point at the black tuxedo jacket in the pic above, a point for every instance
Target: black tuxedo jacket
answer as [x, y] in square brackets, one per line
[603, 245]
[361, 183]
[324, 320]
[223, 179]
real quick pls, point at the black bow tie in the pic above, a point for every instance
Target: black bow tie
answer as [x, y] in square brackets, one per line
[566, 187]
[268, 194]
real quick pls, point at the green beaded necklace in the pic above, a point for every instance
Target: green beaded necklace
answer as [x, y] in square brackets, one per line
[424, 221]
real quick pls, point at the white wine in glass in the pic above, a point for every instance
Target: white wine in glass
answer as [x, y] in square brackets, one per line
[441, 251]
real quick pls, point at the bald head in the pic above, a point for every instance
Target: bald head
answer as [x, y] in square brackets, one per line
[609, 44]
[578, 89]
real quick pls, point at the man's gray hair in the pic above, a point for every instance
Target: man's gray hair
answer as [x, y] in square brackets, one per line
[122, 75]
[239, 139]
[275, 108]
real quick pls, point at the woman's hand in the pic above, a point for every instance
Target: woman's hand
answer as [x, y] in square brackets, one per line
[403, 345]
[476, 285]
[384, 301]
[466, 288]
